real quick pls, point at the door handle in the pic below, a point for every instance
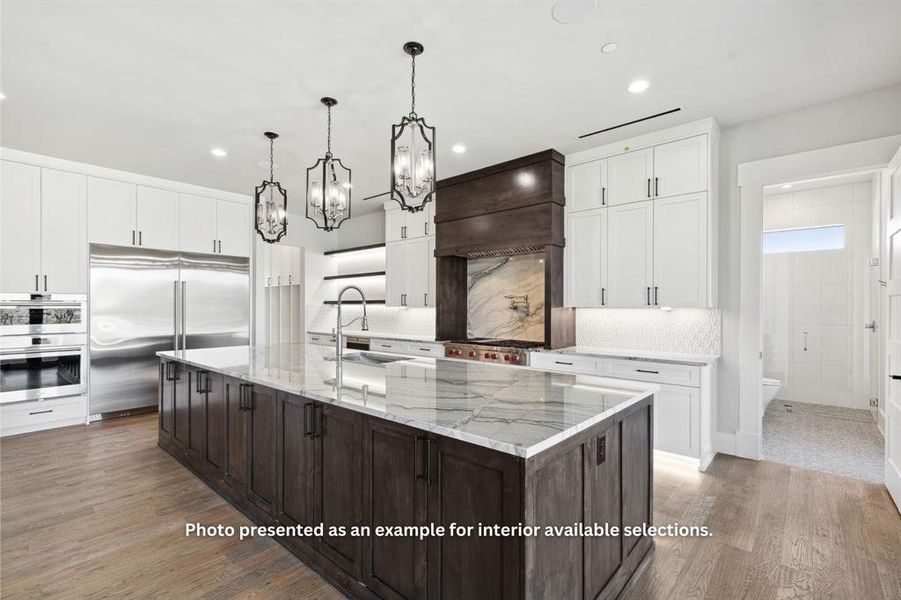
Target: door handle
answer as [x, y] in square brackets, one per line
[649, 187]
[184, 315]
[308, 419]
[220, 246]
[140, 238]
[132, 237]
[428, 467]
[197, 382]
[214, 246]
[603, 296]
[169, 371]
[602, 449]
[37, 286]
[245, 402]
[603, 196]
[649, 295]
[871, 325]
[655, 295]
[313, 433]
[175, 316]
[647, 371]
[418, 471]
[45, 283]
[425, 299]
[805, 341]
[656, 186]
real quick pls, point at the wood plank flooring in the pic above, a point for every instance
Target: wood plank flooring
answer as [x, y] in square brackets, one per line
[99, 511]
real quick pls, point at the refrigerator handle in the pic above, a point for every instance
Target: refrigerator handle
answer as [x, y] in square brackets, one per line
[184, 326]
[175, 316]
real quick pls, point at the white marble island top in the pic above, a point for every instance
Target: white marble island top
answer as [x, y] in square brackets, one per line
[516, 410]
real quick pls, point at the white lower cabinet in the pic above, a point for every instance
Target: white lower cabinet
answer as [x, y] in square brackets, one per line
[410, 347]
[676, 420]
[320, 339]
[22, 417]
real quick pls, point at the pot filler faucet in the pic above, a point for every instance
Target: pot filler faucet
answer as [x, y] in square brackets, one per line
[339, 338]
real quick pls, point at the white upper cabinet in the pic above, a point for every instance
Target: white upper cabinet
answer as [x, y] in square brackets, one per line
[233, 228]
[680, 250]
[417, 272]
[402, 224]
[157, 213]
[394, 222]
[630, 254]
[586, 258]
[680, 167]
[197, 224]
[20, 228]
[587, 186]
[64, 232]
[395, 273]
[111, 212]
[629, 177]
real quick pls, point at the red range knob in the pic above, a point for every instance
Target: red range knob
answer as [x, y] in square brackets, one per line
[494, 355]
[507, 357]
[472, 355]
[515, 358]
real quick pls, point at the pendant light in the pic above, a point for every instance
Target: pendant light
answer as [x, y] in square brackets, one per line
[271, 203]
[328, 185]
[412, 151]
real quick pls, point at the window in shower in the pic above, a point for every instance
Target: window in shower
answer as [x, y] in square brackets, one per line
[804, 239]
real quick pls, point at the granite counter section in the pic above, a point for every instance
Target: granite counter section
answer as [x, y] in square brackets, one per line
[515, 410]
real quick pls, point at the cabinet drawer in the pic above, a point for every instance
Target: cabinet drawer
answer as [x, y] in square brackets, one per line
[318, 339]
[383, 345]
[423, 349]
[654, 372]
[551, 361]
[19, 417]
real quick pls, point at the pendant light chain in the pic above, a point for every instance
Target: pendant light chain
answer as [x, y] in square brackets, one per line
[413, 86]
[271, 161]
[328, 151]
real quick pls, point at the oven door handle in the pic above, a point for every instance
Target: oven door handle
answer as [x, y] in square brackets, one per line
[55, 353]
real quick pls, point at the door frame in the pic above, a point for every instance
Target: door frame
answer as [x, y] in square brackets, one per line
[869, 155]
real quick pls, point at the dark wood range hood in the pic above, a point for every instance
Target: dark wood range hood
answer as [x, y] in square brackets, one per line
[509, 208]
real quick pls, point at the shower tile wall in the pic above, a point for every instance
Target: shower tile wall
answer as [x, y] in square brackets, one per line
[814, 302]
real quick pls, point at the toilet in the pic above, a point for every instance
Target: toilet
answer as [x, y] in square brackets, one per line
[770, 387]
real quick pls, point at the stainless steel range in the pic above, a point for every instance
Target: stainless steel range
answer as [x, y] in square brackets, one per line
[511, 352]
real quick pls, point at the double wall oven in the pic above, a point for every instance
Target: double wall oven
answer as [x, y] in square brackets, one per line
[43, 347]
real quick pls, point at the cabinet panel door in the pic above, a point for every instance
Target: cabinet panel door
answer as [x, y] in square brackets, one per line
[262, 411]
[629, 177]
[630, 254]
[181, 431]
[111, 212]
[296, 473]
[64, 232]
[20, 228]
[680, 251]
[676, 413]
[167, 400]
[339, 483]
[157, 218]
[432, 297]
[586, 258]
[602, 505]
[296, 272]
[417, 271]
[235, 436]
[214, 420]
[196, 224]
[196, 413]
[636, 470]
[471, 485]
[394, 222]
[395, 273]
[680, 167]
[587, 186]
[233, 228]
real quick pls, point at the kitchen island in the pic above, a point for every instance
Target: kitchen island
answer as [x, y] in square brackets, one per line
[293, 437]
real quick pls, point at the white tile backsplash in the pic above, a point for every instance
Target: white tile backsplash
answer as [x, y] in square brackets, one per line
[679, 331]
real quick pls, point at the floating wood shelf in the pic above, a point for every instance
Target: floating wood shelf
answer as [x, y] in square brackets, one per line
[354, 249]
[354, 302]
[354, 275]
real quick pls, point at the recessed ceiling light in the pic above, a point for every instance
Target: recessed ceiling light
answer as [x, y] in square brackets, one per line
[568, 12]
[218, 152]
[2, 96]
[459, 148]
[787, 186]
[609, 48]
[638, 86]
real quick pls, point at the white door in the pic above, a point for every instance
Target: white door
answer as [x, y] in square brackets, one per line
[630, 257]
[64, 232]
[395, 275]
[892, 202]
[417, 272]
[629, 177]
[196, 224]
[111, 212]
[680, 251]
[586, 258]
[20, 228]
[587, 186]
[233, 228]
[394, 222]
[680, 167]
[431, 299]
[157, 215]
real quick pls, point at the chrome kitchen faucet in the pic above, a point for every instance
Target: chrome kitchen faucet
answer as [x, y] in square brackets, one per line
[339, 337]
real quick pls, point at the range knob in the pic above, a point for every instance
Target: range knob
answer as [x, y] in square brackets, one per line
[472, 354]
[515, 358]
[494, 356]
[507, 357]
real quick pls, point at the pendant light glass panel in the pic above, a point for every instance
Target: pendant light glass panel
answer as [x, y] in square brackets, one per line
[271, 203]
[328, 185]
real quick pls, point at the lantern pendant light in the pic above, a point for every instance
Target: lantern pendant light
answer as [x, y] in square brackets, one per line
[271, 203]
[328, 185]
[412, 151]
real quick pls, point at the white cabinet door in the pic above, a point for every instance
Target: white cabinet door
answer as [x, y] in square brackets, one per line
[586, 258]
[587, 186]
[395, 274]
[680, 251]
[20, 228]
[394, 222]
[629, 177]
[680, 167]
[111, 212]
[630, 241]
[418, 223]
[196, 224]
[417, 272]
[157, 215]
[233, 228]
[676, 415]
[431, 299]
[64, 232]
[296, 271]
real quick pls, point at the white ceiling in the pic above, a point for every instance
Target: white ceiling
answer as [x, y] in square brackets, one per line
[150, 87]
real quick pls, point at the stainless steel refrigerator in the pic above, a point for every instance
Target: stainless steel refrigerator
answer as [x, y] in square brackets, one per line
[143, 301]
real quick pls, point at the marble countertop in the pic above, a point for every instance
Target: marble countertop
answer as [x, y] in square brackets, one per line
[412, 337]
[516, 410]
[672, 357]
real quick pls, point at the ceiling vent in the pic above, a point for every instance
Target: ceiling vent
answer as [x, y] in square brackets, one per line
[648, 118]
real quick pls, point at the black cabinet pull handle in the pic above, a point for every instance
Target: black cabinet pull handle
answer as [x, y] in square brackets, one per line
[45, 283]
[894, 376]
[563, 362]
[656, 186]
[418, 472]
[649, 187]
[425, 349]
[209, 385]
[169, 376]
[655, 295]
[603, 196]
[647, 371]
[603, 296]
[214, 246]
[197, 380]
[245, 402]
[220, 246]
[140, 238]
[429, 479]
[37, 286]
[321, 421]
[132, 237]
[649, 295]
[602, 449]
[41, 412]
[308, 419]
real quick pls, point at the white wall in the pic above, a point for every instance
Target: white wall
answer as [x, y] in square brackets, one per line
[860, 117]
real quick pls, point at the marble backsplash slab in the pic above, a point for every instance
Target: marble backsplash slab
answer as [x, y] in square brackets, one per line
[491, 312]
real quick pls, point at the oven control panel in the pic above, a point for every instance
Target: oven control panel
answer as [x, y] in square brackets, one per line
[495, 354]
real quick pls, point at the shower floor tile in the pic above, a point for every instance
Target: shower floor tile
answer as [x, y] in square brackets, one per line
[831, 439]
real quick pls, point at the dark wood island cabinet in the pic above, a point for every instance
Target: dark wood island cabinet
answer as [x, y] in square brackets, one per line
[283, 458]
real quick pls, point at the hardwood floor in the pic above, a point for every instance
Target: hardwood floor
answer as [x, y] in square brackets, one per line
[100, 511]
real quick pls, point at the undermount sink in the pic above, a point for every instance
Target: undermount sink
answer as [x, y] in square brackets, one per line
[370, 359]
